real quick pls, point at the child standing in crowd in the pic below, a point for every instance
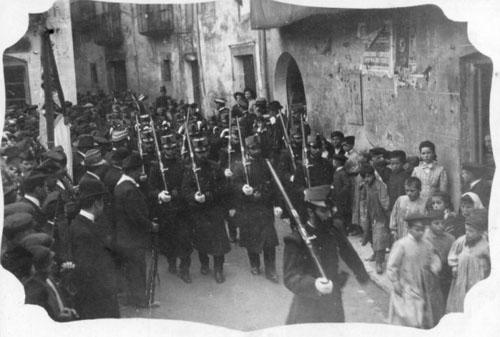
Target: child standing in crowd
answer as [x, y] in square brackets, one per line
[469, 259]
[473, 181]
[408, 267]
[432, 176]
[397, 176]
[377, 204]
[456, 225]
[341, 193]
[441, 242]
[411, 203]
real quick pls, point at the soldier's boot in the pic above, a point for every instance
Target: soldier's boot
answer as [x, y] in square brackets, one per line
[204, 260]
[218, 268]
[379, 261]
[172, 265]
[254, 263]
[270, 264]
[184, 269]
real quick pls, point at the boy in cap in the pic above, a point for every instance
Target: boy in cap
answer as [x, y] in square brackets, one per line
[336, 138]
[133, 229]
[469, 259]
[207, 208]
[95, 274]
[253, 205]
[317, 300]
[342, 189]
[42, 290]
[352, 167]
[397, 176]
[409, 265]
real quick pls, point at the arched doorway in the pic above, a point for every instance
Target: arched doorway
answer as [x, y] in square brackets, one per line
[288, 84]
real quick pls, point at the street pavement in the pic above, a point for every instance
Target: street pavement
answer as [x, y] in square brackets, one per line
[246, 302]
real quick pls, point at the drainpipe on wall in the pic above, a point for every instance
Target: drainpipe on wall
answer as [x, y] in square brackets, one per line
[263, 59]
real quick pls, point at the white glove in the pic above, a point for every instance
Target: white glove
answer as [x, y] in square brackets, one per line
[272, 120]
[199, 197]
[164, 196]
[232, 212]
[323, 286]
[228, 173]
[247, 190]
[278, 211]
[292, 178]
[143, 178]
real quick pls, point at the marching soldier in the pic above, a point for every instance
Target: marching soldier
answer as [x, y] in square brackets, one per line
[204, 189]
[254, 191]
[318, 300]
[174, 236]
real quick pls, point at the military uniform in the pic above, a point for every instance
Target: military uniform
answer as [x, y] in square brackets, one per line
[207, 218]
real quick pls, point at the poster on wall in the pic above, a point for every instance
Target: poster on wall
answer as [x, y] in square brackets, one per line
[354, 103]
[378, 53]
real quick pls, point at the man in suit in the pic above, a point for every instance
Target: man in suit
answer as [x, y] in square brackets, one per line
[473, 179]
[133, 229]
[94, 275]
[35, 192]
[95, 166]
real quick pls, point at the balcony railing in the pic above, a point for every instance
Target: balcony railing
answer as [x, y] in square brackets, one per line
[107, 29]
[156, 20]
[83, 15]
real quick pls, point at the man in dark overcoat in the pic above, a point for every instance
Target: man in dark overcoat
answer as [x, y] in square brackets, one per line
[317, 299]
[133, 229]
[207, 209]
[94, 274]
[254, 208]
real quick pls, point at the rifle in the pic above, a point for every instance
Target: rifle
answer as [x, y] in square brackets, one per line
[300, 227]
[138, 130]
[191, 154]
[158, 153]
[242, 147]
[287, 140]
[305, 160]
[153, 271]
[229, 149]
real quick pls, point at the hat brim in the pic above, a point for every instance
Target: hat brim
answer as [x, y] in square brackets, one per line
[100, 163]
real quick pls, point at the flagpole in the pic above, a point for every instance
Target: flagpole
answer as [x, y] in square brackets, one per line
[47, 87]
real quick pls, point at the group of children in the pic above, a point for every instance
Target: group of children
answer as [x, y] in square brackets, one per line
[436, 255]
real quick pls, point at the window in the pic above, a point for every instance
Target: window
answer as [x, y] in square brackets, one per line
[166, 75]
[17, 90]
[94, 79]
[243, 66]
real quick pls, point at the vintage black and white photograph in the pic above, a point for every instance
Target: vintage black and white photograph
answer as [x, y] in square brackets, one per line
[225, 167]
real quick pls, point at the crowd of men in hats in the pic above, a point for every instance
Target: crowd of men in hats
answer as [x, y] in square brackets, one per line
[204, 181]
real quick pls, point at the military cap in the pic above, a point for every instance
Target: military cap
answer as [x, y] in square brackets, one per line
[119, 135]
[313, 140]
[435, 215]
[238, 93]
[349, 140]
[275, 106]
[416, 217]
[478, 219]
[475, 168]
[261, 102]
[18, 207]
[252, 141]
[220, 100]
[36, 239]
[17, 223]
[317, 195]
[340, 157]
[168, 141]
[93, 157]
[88, 105]
[132, 161]
[42, 257]
[48, 167]
[85, 141]
[337, 134]
[398, 154]
[91, 188]
[200, 144]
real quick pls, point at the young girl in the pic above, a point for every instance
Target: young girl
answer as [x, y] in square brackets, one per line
[405, 205]
[409, 265]
[469, 259]
[455, 225]
[432, 176]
